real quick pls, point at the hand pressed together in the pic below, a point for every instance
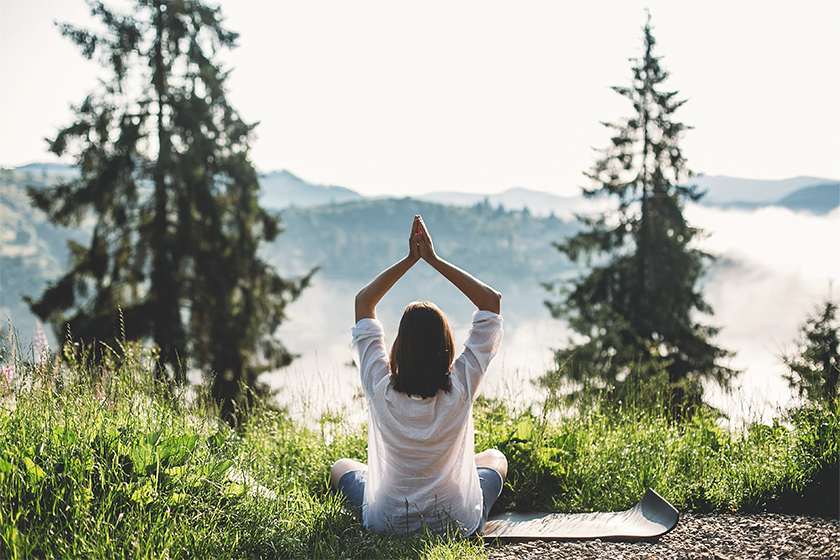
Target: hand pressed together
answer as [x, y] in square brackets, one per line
[421, 241]
[420, 247]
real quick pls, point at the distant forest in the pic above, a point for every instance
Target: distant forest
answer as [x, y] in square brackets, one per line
[510, 249]
[355, 240]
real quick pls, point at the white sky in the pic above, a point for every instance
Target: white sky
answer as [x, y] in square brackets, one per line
[409, 97]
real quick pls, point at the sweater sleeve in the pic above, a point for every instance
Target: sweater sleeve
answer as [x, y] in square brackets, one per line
[482, 343]
[369, 352]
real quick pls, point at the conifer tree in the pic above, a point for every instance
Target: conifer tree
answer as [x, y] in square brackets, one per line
[636, 306]
[166, 182]
[815, 370]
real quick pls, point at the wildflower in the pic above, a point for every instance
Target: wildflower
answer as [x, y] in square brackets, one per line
[6, 374]
[42, 345]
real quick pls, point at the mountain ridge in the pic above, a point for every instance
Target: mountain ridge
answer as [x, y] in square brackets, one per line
[722, 189]
[283, 189]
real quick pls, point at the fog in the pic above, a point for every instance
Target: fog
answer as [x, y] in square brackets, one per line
[773, 269]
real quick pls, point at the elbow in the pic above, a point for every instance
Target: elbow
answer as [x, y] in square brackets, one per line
[363, 307]
[494, 302]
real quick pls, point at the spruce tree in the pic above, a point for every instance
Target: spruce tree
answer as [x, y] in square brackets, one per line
[167, 184]
[815, 369]
[636, 306]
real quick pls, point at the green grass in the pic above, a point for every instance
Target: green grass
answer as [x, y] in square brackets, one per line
[102, 462]
[604, 461]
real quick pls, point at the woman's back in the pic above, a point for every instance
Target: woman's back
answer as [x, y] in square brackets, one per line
[420, 451]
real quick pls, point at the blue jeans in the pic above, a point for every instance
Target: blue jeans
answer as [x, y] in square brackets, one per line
[352, 487]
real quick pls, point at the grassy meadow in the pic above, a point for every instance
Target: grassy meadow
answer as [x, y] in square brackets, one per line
[101, 461]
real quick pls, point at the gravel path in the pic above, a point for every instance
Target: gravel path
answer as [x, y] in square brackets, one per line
[701, 537]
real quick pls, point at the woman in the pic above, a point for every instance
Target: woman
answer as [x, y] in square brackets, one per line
[422, 469]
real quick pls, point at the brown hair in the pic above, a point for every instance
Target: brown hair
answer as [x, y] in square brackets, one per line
[422, 353]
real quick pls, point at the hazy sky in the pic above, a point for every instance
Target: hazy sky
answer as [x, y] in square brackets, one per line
[410, 97]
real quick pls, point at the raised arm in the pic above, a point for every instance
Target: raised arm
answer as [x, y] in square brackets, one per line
[483, 296]
[369, 296]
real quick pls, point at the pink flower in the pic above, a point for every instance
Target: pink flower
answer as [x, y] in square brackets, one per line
[6, 374]
[41, 344]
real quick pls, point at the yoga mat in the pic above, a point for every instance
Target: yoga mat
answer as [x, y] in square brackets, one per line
[653, 516]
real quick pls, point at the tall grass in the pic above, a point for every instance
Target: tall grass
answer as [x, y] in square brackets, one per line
[101, 461]
[602, 460]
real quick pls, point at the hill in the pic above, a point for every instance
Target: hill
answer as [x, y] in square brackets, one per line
[819, 199]
[801, 194]
[722, 190]
[282, 189]
[32, 250]
[518, 198]
[350, 240]
[48, 171]
[356, 240]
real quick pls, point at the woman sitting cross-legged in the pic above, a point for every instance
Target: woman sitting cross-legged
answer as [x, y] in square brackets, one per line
[422, 469]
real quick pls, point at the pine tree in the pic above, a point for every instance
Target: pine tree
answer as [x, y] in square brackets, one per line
[166, 182]
[815, 369]
[635, 307]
